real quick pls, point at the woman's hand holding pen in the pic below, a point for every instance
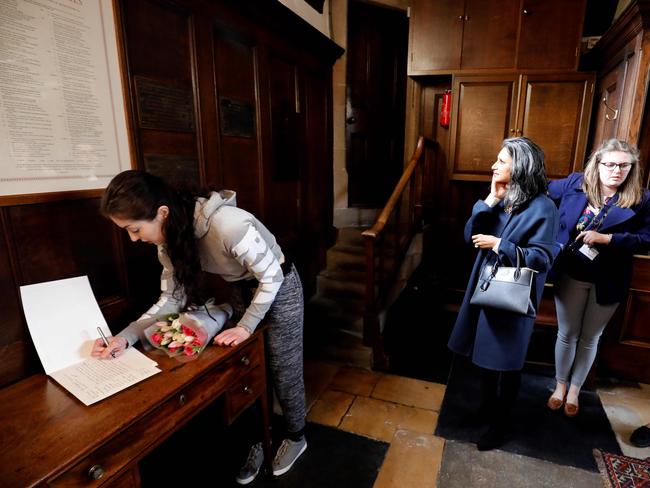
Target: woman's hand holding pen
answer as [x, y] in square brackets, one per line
[115, 348]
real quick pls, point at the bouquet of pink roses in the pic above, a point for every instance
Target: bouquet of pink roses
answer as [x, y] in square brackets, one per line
[188, 333]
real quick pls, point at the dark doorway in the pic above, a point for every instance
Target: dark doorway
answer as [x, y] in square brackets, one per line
[375, 99]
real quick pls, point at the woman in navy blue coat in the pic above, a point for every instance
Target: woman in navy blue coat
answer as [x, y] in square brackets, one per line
[516, 213]
[604, 220]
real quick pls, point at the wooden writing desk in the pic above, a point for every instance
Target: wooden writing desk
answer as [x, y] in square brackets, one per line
[49, 438]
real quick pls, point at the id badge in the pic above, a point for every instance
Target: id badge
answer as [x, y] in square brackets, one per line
[590, 252]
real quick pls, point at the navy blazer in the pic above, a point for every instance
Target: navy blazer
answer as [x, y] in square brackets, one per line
[630, 229]
[497, 339]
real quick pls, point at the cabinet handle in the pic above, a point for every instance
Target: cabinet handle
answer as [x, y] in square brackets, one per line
[182, 399]
[467, 17]
[248, 390]
[460, 17]
[527, 12]
[611, 109]
[245, 361]
[512, 131]
[96, 472]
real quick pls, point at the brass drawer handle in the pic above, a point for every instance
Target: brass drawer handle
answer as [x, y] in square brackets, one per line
[96, 472]
[248, 390]
[182, 399]
[245, 361]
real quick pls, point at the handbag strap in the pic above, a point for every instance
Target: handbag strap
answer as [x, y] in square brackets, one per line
[520, 257]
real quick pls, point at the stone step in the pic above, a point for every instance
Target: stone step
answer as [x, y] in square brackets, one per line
[342, 257]
[344, 274]
[355, 217]
[339, 346]
[351, 236]
[336, 305]
[326, 285]
[347, 257]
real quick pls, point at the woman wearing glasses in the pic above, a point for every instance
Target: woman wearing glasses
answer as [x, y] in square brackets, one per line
[604, 220]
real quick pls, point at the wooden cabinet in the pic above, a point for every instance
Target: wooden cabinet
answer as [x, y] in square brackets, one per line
[626, 340]
[58, 442]
[489, 34]
[494, 34]
[436, 35]
[622, 56]
[551, 109]
[554, 112]
[450, 34]
[550, 34]
[483, 114]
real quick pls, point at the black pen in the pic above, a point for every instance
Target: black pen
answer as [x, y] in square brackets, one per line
[101, 333]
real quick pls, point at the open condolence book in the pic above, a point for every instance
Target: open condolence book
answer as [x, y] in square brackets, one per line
[63, 317]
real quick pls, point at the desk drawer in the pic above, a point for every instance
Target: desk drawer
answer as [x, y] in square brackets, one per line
[147, 432]
[244, 392]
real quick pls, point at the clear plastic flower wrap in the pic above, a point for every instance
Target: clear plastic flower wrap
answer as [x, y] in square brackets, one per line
[185, 335]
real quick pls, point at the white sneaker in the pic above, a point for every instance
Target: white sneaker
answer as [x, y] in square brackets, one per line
[251, 467]
[287, 454]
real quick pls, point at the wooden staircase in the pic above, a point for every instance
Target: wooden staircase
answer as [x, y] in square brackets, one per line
[334, 325]
[363, 274]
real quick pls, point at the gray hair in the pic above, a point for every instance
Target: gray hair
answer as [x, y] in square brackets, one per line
[527, 174]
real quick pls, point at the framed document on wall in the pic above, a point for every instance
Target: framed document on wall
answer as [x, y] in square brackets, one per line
[62, 117]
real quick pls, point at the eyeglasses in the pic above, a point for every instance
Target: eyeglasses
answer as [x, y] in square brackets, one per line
[622, 166]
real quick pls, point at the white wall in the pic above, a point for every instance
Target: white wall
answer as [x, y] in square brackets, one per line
[308, 13]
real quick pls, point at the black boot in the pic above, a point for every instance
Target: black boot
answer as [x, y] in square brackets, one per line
[489, 390]
[499, 427]
[495, 436]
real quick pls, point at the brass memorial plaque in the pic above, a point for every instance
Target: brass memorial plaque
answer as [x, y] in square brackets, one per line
[173, 168]
[237, 118]
[164, 106]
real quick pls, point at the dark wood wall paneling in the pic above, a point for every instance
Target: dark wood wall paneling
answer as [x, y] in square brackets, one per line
[196, 53]
[50, 241]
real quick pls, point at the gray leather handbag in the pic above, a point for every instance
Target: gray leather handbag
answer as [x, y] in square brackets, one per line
[504, 287]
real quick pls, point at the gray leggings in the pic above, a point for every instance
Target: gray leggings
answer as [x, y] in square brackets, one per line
[580, 321]
[284, 344]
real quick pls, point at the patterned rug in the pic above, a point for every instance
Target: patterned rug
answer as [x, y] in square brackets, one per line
[622, 471]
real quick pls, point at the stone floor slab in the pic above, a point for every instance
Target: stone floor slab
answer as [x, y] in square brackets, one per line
[464, 466]
[379, 419]
[357, 381]
[409, 391]
[330, 408]
[413, 459]
[627, 407]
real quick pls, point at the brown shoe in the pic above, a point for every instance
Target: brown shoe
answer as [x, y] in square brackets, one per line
[571, 409]
[554, 403]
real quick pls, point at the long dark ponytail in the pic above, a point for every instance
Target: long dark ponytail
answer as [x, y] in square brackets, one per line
[137, 195]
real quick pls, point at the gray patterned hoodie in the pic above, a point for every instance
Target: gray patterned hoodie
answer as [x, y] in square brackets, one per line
[233, 244]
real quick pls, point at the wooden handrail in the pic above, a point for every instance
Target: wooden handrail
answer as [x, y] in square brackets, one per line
[376, 229]
[380, 275]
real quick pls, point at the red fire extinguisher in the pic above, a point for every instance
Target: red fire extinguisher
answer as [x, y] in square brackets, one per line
[445, 109]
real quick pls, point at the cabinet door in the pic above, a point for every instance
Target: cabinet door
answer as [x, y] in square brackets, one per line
[554, 112]
[484, 113]
[490, 34]
[609, 95]
[436, 35]
[620, 92]
[550, 33]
